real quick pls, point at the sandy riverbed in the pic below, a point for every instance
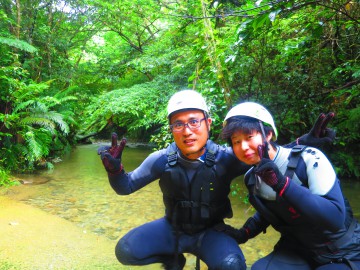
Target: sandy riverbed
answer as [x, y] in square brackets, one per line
[33, 239]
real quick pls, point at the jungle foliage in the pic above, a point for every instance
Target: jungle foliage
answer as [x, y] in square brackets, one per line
[72, 69]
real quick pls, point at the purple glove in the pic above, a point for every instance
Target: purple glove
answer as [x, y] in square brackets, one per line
[111, 155]
[319, 135]
[270, 174]
[263, 151]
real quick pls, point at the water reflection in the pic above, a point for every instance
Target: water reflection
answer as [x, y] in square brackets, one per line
[79, 192]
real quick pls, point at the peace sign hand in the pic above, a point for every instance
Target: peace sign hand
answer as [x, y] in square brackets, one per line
[320, 135]
[111, 155]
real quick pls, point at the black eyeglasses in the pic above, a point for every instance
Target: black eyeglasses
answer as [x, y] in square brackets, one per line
[192, 125]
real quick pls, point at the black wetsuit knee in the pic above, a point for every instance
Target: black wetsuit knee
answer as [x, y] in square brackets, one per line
[232, 262]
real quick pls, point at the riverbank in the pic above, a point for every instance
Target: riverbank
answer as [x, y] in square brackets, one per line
[70, 218]
[33, 239]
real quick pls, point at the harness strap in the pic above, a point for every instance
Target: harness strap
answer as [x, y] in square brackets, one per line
[334, 246]
[171, 153]
[177, 235]
[188, 204]
[198, 245]
[172, 159]
[210, 158]
[351, 264]
[205, 197]
[294, 158]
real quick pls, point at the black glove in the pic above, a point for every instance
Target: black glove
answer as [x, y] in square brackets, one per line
[240, 235]
[111, 155]
[319, 136]
[269, 173]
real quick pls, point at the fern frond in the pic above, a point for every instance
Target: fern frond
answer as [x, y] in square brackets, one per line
[23, 105]
[19, 44]
[40, 121]
[33, 146]
[38, 142]
[69, 98]
[58, 119]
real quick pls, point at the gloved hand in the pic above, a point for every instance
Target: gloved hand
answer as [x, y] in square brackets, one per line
[111, 155]
[240, 235]
[263, 150]
[319, 135]
[270, 174]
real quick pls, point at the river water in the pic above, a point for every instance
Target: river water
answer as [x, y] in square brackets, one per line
[77, 189]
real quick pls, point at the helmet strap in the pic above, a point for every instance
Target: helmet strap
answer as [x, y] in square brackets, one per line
[266, 144]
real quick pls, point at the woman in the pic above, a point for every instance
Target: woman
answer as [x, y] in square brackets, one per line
[297, 192]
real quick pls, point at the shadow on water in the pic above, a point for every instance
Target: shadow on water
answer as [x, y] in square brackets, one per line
[78, 190]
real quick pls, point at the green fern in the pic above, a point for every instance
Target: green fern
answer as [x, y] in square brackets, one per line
[34, 120]
[38, 141]
[19, 44]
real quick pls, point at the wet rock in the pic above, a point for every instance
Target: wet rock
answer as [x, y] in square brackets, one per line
[34, 180]
[26, 182]
[13, 223]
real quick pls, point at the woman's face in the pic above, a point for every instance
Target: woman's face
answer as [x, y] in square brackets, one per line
[245, 146]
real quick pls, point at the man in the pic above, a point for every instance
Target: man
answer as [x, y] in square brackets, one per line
[195, 176]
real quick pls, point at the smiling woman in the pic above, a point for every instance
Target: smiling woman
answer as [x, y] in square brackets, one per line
[297, 192]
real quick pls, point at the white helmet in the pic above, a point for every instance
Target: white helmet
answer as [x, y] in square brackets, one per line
[254, 110]
[186, 99]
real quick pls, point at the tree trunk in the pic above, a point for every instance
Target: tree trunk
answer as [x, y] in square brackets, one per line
[18, 19]
[211, 50]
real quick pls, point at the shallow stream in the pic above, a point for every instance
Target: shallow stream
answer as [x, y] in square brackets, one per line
[77, 189]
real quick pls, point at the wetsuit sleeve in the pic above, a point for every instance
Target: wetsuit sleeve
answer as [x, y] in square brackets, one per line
[149, 170]
[322, 202]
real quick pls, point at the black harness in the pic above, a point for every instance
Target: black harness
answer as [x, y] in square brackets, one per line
[198, 202]
[203, 186]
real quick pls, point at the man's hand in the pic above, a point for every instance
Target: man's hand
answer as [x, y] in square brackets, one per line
[320, 135]
[270, 174]
[111, 155]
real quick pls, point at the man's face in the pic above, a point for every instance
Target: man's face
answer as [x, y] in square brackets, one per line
[191, 141]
